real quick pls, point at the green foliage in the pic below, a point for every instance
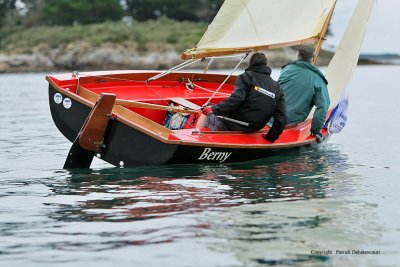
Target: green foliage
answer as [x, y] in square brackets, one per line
[67, 12]
[190, 10]
[7, 10]
[141, 36]
[6, 6]
[173, 38]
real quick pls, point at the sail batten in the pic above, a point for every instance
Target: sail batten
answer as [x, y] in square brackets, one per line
[247, 25]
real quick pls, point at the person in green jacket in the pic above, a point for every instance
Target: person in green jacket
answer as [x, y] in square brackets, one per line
[304, 87]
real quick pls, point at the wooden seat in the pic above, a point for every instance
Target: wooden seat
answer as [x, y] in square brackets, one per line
[185, 103]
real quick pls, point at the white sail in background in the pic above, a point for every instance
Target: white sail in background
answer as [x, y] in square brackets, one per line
[344, 62]
[243, 25]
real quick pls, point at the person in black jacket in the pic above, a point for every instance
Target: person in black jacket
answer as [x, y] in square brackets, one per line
[256, 99]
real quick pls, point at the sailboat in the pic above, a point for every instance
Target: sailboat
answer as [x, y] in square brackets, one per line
[130, 118]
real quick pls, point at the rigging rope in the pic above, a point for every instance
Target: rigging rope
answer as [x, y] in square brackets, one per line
[162, 74]
[208, 65]
[172, 108]
[180, 66]
[226, 79]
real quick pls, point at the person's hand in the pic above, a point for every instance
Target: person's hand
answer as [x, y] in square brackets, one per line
[269, 137]
[206, 110]
[319, 137]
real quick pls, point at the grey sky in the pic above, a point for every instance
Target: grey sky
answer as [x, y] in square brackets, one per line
[383, 33]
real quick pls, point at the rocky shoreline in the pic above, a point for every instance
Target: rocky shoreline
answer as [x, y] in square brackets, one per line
[72, 57]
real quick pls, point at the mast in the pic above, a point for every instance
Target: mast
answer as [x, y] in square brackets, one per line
[323, 33]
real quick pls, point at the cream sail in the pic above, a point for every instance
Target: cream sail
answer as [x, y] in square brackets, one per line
[345, 60]
[343, 64]
[246, 25]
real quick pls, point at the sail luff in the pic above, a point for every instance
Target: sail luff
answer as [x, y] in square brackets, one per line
[345, 60]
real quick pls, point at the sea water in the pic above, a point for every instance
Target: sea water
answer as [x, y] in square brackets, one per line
[337, 205]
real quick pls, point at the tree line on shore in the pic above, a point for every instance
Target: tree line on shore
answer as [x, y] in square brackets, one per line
[28, 13]
[42, 35]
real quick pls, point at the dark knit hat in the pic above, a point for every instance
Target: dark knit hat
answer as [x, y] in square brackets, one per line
[258, 59]
[306, 51]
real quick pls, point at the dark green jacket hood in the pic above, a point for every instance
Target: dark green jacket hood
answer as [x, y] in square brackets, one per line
[307, 65]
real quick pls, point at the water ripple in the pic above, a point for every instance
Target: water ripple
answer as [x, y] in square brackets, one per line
[268, 212]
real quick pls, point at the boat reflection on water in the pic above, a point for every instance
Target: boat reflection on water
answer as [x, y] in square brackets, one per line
[152, 192]
[246, 213]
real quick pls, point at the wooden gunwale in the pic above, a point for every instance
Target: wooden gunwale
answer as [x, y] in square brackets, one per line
[122, 114]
